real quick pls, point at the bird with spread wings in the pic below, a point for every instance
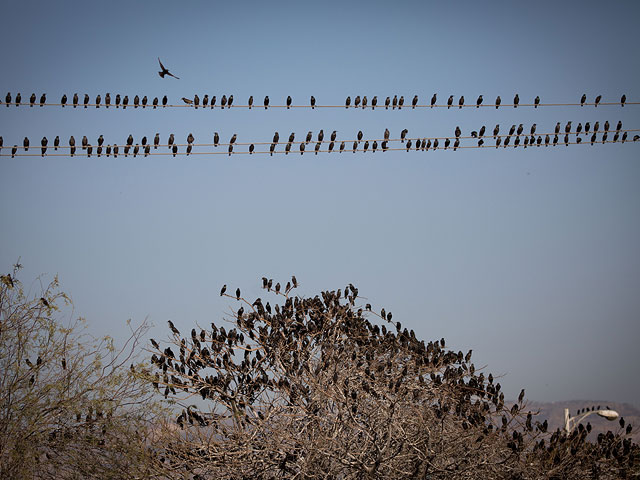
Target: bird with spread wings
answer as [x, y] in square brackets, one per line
[164, 71]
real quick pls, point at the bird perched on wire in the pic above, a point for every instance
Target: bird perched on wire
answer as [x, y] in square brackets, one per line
[414, 102]
[479, 101]
[266, 102]
[623, 100]
[598, 98]
[449, 102]
[498, 101]
[536, 102]
[374, 102]
[163, 71]
[364, 102]
[461, 102]
[289, 101]
[32, 100]
[188, 101]
[516, 101]
[356, 102]
[434, 99]
[313, 102]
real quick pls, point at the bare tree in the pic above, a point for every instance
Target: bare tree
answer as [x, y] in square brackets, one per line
[70, 406]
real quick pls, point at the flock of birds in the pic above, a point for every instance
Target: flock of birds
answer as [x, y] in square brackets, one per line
[359, 144]
[211, 102]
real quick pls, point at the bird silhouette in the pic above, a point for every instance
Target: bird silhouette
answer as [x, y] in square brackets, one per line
[312, 101]
[144, 102]
[414, 102]
[364, 102]
[395, 102]
[479, 101]
[32, 100]
[107, 100]
[18, 99]
[163, 71]
[536, 102]
[156, 141]
[230, 101]
[125, 102]
[25, 144]
[136, 101]
[598, 98]
[498, 101]
[43, 99]
[331, 145]
[56, 142]
[187, 101]
[223, 101]
[164, 101]
[386, 134]
[516, 101]
[461, 102]
[233, 139]
[213, 101]
[356, 102]
[86, 101]
[458, 132]
[171, 141]
[347, 102]
[266, 102]
[400, 102]
[449, 102]
[317, 147]
[216, 139]
[250, 102]
[374, 102]
[434, 99]
[7, 99]
[333, 135]
[302, 144]
[289, 102]
[387, 102]
[623, 100]
[251, 148]
[583, 99]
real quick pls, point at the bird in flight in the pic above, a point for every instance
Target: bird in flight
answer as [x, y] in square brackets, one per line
[164, 71]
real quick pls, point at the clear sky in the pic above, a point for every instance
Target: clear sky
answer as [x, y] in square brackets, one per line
[530, 257]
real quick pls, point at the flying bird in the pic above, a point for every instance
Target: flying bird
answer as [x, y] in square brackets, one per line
[164, 71]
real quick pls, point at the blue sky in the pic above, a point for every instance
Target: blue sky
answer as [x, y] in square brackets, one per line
[530, 257]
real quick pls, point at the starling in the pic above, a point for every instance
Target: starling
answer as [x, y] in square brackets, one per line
[526, 141]
[433, 100]
[596, 127]
[566, 140]
[136, 101]
[156, 141]
[251, 148]
[317, 147]
[583, 99]
[18, 99]
[72, 144]
[498, 141]
[163, 71]
[364, 102]
[516, 142]
[302, 144]
[606, 125]
[536, 102]
[458, 132]
[164, 101]
[86, 100]
[43, 99]
[401, 102]
[223, 101]
[288, 102]
[479, 101]
[276, 137]
[520, 129]
[539, 141]
[292, 137]
[555, 140]
[579, 129]
[449, 102]
[333, 136]
[250, 102]
[567, 128]
[266, 102]
[342, 146]
[32, 100]
[387, 102]
[383, 146]
[498, 101]
[125, 101]
[187, 101]
[616, 136]
[624, 137]
[130, 140]
[99, 150]
[272, 149]
[347, 102]
[496, 130]
[309, 136]
[213, 101]
[312, 100]
[395, 102]
[115, 151]
[190, 138]
[230, 150]
[428, 144]
[598, 98]
[461, 102]
[447, 142]
[474, 134]
[321, 135]
[587, 127]
[480, 142]
[374, 146]
[25, 144]
[216, 139]
[355, 146]
[456, 144]
[7, 99]
[85, 142]
[287, 148]
[100, 140]
[107, 100]
[44, 143]
[516, 101]
[619, 126]
[136, 149]
[366, 145]
[414, 102]
[233, 139]
[56, 142]
[386, 134]
[356, 102]
[408, 144]
[147, 150]
[144, 102]
[374, 102]
[170, 141]
[512, 130]
[506, 141]
[435, 144]
[360, 135]
[623, 100]
[482, 130]
[230, 101]
[331, 145]
[117, 100]
[604, 137]
[174, 150]
[14, 150]
[224, 289]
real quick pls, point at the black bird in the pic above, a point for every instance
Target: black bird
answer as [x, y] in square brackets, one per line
[616, 136]
[512, 130]
[266, 102]
[474, 134]
[479, 101]
[364, 102]
[276, 137]
[205, 101]
[25, 144]
[163, 71]
[309, 136]
[237, 294]
[360, 135]
[482, 130]
[546, 140]
[342, 146]
[434, 99]
[606, 126]
[224, 289]
[355, 146]
[374, 146]
[566, 140]
[374, 102]
[347, 102]
[408, 144]
[288, 102]
[56, 142]
[383, 146]
[156, 141]
[85, 142]
[43, 99]
[216, 139]
[520, 129]
[516, 101]
[147, 150]
[7, 99]
[557, 128]
[302, 144]
[447, 142]
[173, 328]
[317, 148]
[387, 102]
[188, 101]
[312, 100]
[395, 102]
[579, 129]
[164, 101]
[125, 101]
[117, 100]
[506, 141]
[458, 132]
[333, 135]
[14, 150]
[498, 101]
[401, 102]
[86, 100]
[321, 135]
[428, 144]
[115, 151]
[480, 142]
[331, 145]
[130, 140]
[190, 138]
[366, 145]
[567, 128]
[587, 127]
[539, 141]
[136, 149]
[598, 98]
[32, 100]
[555, 140]
[213, 101]
[496, 130]
[233, 139]
[414, 102]
[623, 100]
[251, 148]
[356, 102]
[223, 101]
[435, 144]
[272, 149]
[516, 142]
[403, 134]
[536, 102]
[1, 142]
[596, 127]
[449, 102]
[144, 102]
[619, 126]
[174, 150]
[230, 101]
[461, 102]
[170, 141]
[18, 99]
[636, 138]
[624, 137]
[250, 102]
[287, 148]
[107, 100]
[456, 144]
[136, 101]
[386, 134]
[583, 99]
[292, 137]
[72, 144]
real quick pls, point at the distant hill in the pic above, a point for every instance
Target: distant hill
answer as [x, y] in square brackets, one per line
[554, 413]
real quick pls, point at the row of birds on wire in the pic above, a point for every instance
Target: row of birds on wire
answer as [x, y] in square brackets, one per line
[210, 102]
[424, 144]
